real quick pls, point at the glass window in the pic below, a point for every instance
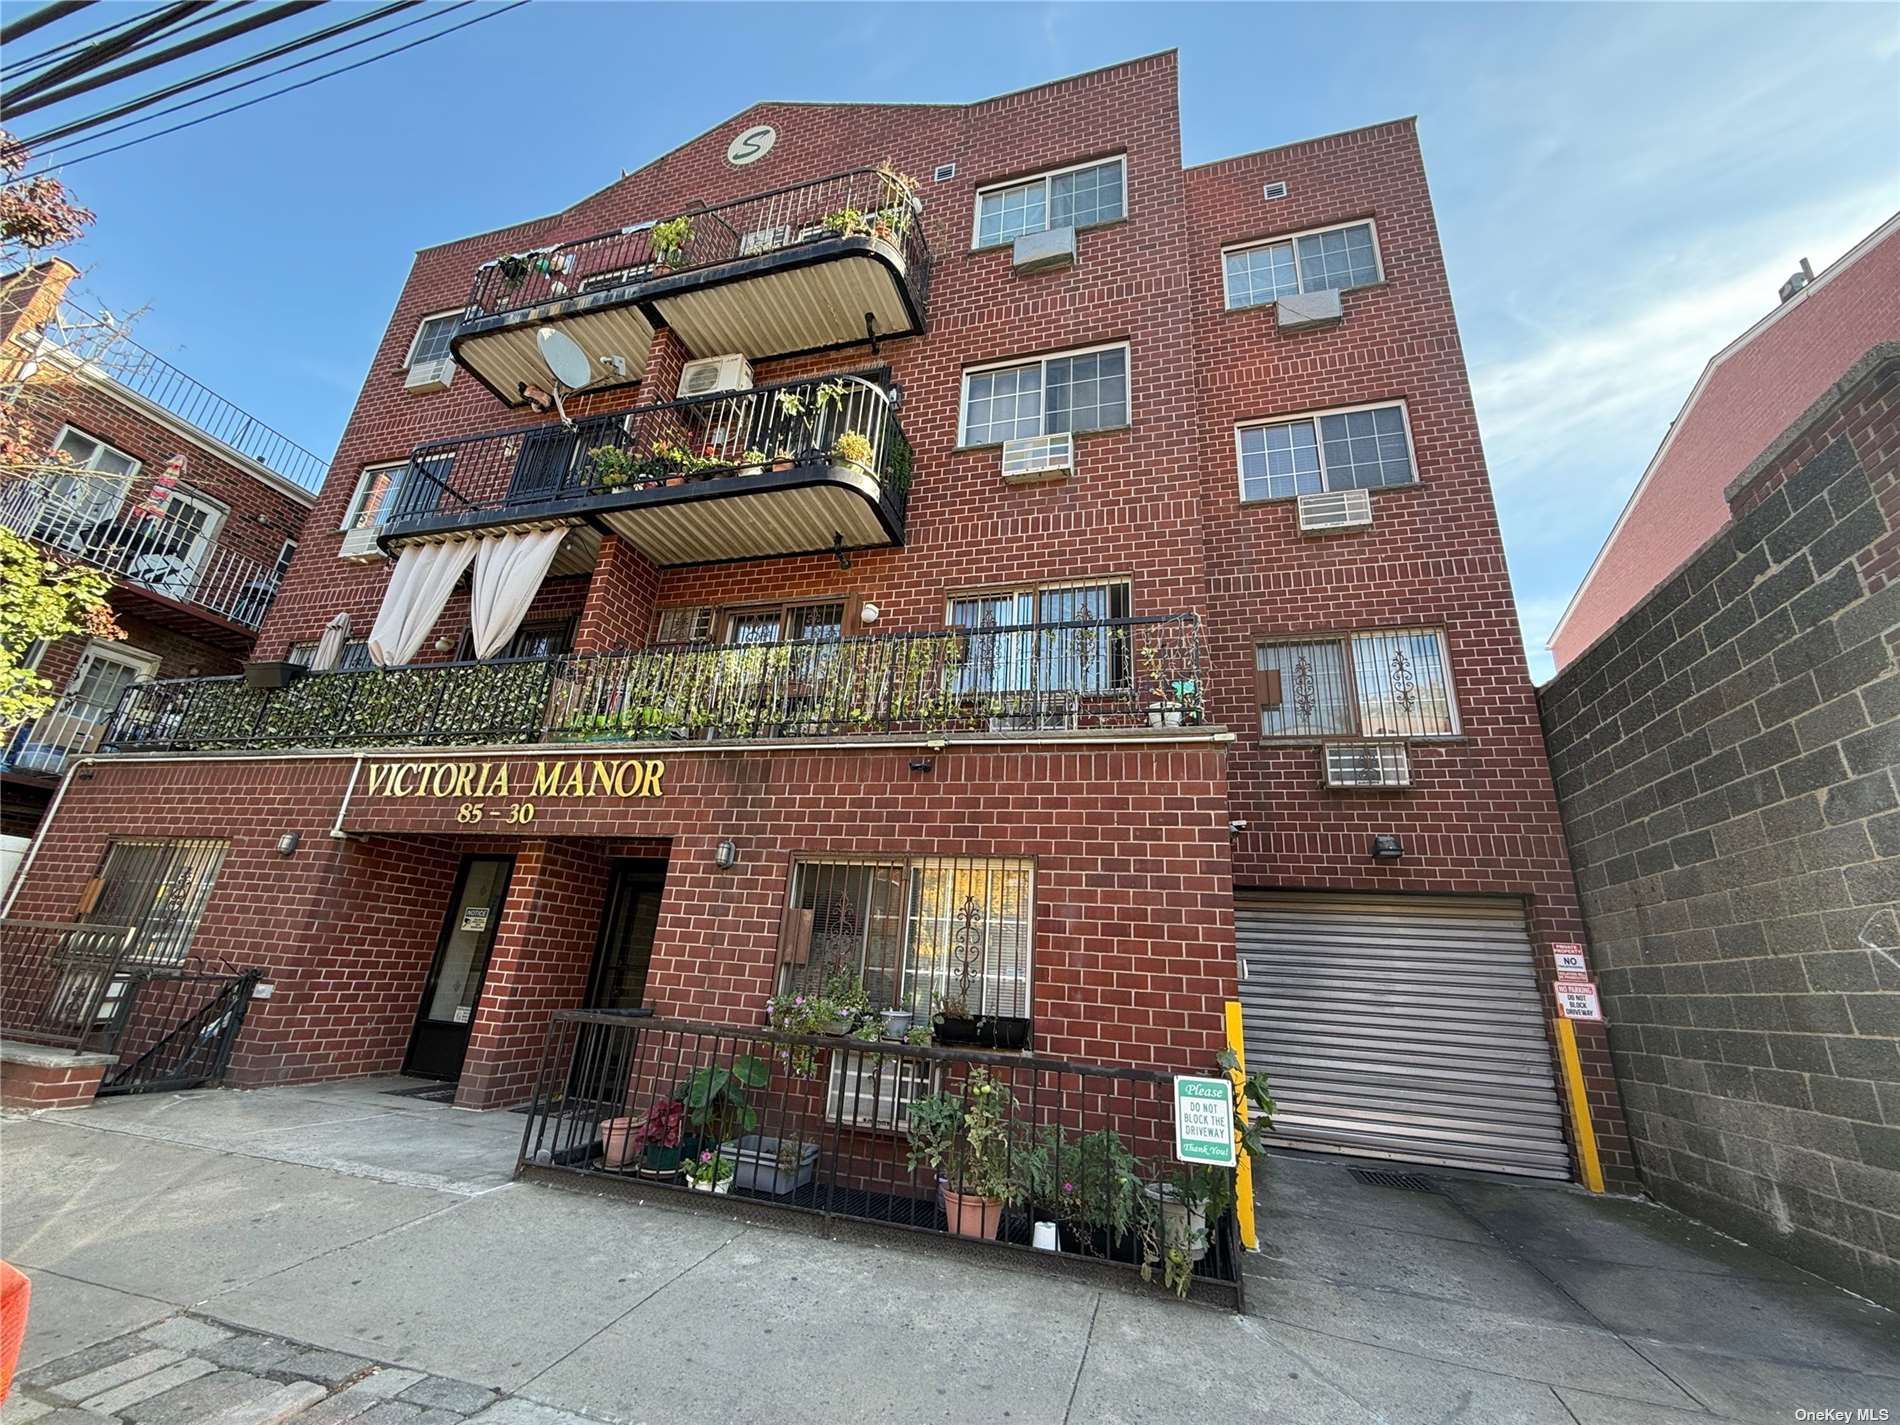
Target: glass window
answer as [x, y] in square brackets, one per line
[1084, 391]
[1347, 450]
[432, 338]
[1336, 258]
[922, 932]
[376, 492]
[1074, 198]
[1384, 683]
[1073, 639]
[160, 887]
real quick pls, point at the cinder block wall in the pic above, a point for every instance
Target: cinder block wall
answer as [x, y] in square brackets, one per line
[1726, 764]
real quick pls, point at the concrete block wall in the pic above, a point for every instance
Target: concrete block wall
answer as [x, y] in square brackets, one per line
[1725, 758]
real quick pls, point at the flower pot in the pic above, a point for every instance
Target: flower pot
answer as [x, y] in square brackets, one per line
[956, 1029]
[661, 1163]
[616, 1143]
[969, 1215]
[1164, 714]
[840, 1024]
[1181, 1224]
[719, 1187]
[757, 1167]
[897, 1022]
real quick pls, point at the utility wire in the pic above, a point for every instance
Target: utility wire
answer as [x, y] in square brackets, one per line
[94, 55]
[80, 126]
[489, 14]
[204, 16]
[275, 13]
[67, 46]
[40, 18]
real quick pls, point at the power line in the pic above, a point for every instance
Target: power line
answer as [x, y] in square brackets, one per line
[67, 46]
[40, 100]
[94, 55]
[40, 18]
[490, 14]
[80, 126]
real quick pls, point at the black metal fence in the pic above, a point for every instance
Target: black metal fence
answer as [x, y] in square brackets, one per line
[1007, 1152]
[55, 977]
[828, 421]
[175, 1027]
[1097, 674]
[861, 202]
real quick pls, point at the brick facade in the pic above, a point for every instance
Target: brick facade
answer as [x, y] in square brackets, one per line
[1726, 759]
[1130, 832]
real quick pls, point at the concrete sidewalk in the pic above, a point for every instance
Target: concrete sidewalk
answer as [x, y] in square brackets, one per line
[334, 1254]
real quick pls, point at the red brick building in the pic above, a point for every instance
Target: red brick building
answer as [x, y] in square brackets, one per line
[1059, 586]
[1749, 393]
[106, 426]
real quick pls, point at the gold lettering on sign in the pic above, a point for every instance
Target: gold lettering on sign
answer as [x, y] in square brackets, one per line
[471, 783]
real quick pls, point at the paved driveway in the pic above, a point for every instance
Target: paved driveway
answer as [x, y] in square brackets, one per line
[335, 1251]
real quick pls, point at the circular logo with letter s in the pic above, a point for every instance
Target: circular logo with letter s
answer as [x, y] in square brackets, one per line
[752, 145]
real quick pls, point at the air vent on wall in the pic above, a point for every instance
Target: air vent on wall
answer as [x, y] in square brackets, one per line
[1322, 513]
[944, 173]
[1273, 191]
[1367, 764]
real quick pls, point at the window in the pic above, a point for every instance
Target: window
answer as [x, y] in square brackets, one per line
[379, 488]
[1068, 198]
[282, 567]
[548, 638]
[159, 887]
[1363, 449]
[684, 625]
[1309, 262]
[1069, 642]
[432, 339]
[922, 932]
[1075, 391]
[354, 658]
[1389, 683]
[86, 494]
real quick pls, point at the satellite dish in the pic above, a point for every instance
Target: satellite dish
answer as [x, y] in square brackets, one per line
[563, 356]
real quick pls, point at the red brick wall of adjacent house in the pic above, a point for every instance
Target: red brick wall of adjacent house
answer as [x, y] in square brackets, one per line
[1750, 395]
[1133, 933]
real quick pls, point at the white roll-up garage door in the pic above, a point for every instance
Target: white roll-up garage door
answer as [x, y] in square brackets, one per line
[1401, 1027]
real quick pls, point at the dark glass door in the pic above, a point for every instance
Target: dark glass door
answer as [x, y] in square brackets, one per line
[628, 919]
[440, 1041]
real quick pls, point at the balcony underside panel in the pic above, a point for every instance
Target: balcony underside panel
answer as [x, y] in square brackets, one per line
[804, 308]
[507, 358]
[752, 526]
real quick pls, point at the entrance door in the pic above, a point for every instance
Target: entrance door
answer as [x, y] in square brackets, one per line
[619, 977]
[440, 1041]
[1401, 1027]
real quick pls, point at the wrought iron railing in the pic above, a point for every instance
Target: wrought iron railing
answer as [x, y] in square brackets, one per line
[867, 202]
[1108, 673]
[832, 421]
[176, 1029]
[56, 980]
[163, 553]
[1080, 1155]
[71, 727]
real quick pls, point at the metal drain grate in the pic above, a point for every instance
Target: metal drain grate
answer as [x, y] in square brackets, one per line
[1404, 1182]
[429, 1093]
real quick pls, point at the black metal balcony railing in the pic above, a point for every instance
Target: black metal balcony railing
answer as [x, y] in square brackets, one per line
[1105, 674]
[834, 422]
[862, 202]
[832, 1126]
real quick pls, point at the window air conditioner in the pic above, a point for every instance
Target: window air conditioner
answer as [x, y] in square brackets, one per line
[715, 373]
[1294, 310]
[1335, 510]
[1367, 764]
[359, 544]
[1039, 455]
[430, 375]
[872, 1090]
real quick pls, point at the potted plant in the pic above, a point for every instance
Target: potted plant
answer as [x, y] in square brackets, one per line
[897, 1022]
[965, 1140]
[657, 1142]
[609, 467]
[668, 240]
[800, 1014]
[846, 222]
[514, 270]
[715, 1098]
[1092, 1189]
[753, 462]
[853, 448]
[955, 1025]
[777, 1166]
[711, 1171]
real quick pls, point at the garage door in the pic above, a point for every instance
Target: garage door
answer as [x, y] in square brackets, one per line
[1408, 1028]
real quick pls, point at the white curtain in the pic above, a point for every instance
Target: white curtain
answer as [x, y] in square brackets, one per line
[508, 572]
[329, 648]
[425, 577]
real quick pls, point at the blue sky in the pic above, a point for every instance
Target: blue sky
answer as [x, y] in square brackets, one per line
[1620, 189]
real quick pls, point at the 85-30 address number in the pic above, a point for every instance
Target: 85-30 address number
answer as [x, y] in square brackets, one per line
[517, 814]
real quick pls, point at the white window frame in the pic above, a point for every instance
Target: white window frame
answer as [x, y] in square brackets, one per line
[280, 566]
[963, 388]
[361, 493]
[1405, 419]
[1378, 259]
[124, 482]
[416, 341]
[976, 209]
[216, 513]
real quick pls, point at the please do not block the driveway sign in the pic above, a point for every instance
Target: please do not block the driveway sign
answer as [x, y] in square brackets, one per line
[1204, 1120]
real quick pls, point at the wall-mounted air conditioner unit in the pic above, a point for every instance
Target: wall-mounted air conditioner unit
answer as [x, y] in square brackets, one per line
[1293, 310]
[1335, 510]
[430, 375]
[359, 544]
[1367, 764]
[872, 1090]
[715, 373]
[1039, 457]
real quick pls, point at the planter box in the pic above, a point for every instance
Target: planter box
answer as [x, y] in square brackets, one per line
[759, 1169]
[271, 675]
[987, 1032]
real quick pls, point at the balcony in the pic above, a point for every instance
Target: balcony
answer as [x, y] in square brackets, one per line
[804, 467]
[816, 265]
[1030, 681]
[71, 727]
[188, 581]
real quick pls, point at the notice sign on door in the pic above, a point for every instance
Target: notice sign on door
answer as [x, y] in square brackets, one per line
[1204, 1120]
[1577, 999]
[1570, 962]
[475, 918]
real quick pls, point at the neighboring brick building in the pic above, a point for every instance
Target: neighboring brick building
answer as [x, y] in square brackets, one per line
[196, 568]
[1747, 395]
[1726, 758]
[1025, 687]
